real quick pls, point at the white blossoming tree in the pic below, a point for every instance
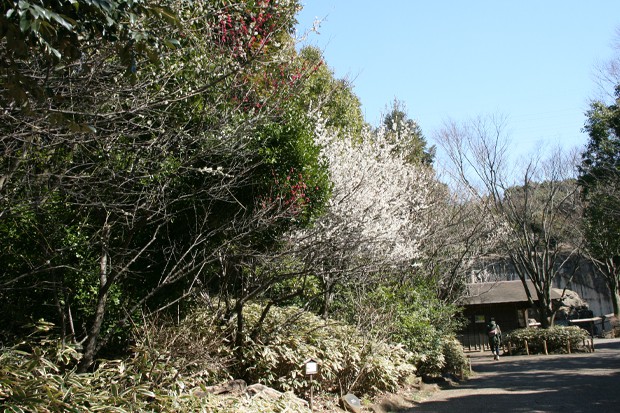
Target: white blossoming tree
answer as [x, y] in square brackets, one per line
[376, 218]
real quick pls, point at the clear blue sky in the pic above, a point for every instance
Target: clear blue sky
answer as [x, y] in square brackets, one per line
[531, 60]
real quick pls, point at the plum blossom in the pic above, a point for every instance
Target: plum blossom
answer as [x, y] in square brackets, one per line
[378, 203]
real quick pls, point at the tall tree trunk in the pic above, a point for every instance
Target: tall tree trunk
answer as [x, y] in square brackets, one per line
[615, 302]
[545, 315]
[613, 282]
[328, 294]
[90, 348]
[239, 335]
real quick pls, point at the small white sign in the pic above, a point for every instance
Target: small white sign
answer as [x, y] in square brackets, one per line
[312, 367]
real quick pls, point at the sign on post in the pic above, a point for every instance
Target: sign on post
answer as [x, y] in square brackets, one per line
[312, 368]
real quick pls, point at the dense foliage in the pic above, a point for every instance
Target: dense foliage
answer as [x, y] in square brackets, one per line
[123, 190]
[422, 323]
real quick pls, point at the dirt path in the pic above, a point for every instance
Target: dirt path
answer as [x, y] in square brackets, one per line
[576, 383]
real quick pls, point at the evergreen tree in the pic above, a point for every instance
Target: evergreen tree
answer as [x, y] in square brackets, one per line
[406, 135]
[600, 181]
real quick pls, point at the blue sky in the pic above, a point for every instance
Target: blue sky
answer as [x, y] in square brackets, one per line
[532, 61]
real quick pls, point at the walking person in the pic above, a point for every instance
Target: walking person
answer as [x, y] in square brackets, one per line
[495, 338]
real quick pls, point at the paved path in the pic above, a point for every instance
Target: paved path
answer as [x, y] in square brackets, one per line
[575, 383]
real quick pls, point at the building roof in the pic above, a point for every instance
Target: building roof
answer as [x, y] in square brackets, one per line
[502, 292]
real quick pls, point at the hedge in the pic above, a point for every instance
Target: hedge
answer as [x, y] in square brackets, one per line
[557, 339]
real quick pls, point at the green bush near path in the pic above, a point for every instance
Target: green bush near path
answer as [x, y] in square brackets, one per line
[557, 339]
[347, 359]
[456, 362]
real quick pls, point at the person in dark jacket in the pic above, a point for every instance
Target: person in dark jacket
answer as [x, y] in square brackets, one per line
[495, 338]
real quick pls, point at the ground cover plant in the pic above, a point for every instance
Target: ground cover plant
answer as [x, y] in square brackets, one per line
[172, 363]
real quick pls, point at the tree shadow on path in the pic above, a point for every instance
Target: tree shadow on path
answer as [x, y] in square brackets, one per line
[576, 383]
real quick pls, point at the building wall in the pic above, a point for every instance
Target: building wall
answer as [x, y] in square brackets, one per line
[589, 284]
[579, 276]
[509, 316]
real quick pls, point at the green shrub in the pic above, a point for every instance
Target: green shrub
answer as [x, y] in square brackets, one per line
[349, 361]
[423, 324]
[557, 339]
[195, 347]
[447, 358]
[456, 362]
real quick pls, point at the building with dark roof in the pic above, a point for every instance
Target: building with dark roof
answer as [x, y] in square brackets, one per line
[504, 301]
